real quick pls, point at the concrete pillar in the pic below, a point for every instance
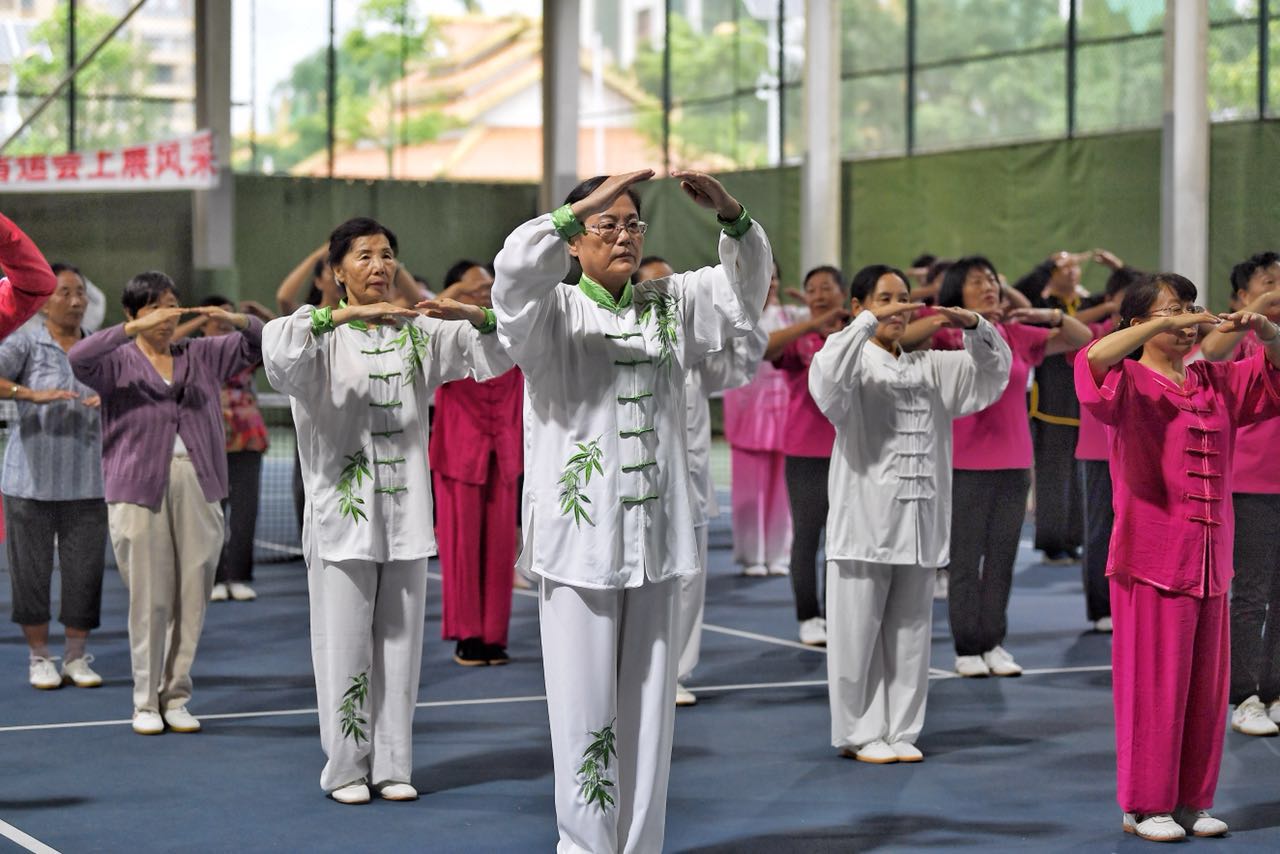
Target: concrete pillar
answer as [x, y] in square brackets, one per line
[560, 75]
[1184, 166]
[820, 228]
[213, 211]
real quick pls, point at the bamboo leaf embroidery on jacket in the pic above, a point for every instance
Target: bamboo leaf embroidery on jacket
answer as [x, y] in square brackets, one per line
[412, 344]
[353, 723]
[663, 306]
[595, 762]
[352, 477]
[577, 474]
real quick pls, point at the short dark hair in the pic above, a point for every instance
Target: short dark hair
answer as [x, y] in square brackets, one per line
[938, 268]
[1243, 272]
[590, 185]
[1033, 283]
[951, 292]
[864, 281]
[459, 269]
[833, 272]
[144, 289]
[1120, 279]
[925, 259]
[62, 267]
[362, 226]
[1143, 294]
[422, 281]
[317, 270]
[216, 299]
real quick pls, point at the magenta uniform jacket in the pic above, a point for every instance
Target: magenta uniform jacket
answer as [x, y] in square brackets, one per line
[1171, 460]
[1257, 468]
[474, 420]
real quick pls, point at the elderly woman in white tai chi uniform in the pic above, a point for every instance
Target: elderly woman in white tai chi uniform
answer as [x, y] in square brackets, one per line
[360, 378]
[608, 515]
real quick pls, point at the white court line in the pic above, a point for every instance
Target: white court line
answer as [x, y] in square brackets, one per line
[25, 840]
[739, 633]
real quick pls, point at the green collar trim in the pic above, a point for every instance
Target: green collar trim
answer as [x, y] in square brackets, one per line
[601, 296]
[354, 324]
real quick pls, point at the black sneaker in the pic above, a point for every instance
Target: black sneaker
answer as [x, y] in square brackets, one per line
[471, 652]
[496, 653]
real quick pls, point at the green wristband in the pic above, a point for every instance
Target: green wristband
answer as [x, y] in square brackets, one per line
[321, 320]
[490, 321]
[566, 222]
[735, 228]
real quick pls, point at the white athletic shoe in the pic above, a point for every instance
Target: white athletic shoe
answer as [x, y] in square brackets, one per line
[397, 792]
[685, 697]
[43, 673]
[1102, 624]
[241, 592]
[147, 722]
[941, 584]
[875, 753]
[813, 632]
[79, 673]
[180, 720]
[755, 570]
[219, 593]
[1001, 663]
[1155, 827]
[906, 751]
[352, 793]
[1250, 718]
[1199, 822]
[972, 665]
[1273, 710]
[779, 569]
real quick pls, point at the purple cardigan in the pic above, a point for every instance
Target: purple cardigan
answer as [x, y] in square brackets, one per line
[141, 414]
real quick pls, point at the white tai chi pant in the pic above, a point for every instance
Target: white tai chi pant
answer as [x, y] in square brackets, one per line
[609, 657]
[167, 558]
[693, 596]
[879, 629]
[367, 616]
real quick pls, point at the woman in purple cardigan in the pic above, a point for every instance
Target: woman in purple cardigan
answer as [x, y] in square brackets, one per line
[165, 474]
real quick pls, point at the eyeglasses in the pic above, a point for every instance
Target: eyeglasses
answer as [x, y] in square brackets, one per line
[609, 231]
[1175, 310]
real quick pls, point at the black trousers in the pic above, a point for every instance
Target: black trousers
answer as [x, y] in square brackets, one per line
[244, 474]
[987, 511]
[299, 492]
[1099, 516]
[1255, 599]
[77, 530]
[1059, 504]
[807, 492]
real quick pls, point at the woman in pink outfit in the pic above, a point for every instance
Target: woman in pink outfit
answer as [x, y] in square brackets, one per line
[1173, 427]
[755, 420]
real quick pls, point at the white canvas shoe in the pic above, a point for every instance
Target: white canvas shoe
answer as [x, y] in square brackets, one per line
[779, 569]
[1250, 718]
[941, 584]
[397, 792]
[906, 751]
[180, 720]
[755, 570]
[1273, 710]
[219, 593]
[1199, 822]
[241, 592]
[972, 665]
[79, 673]
[147, 722]
[813, 632]
[1155, 827]
[352, 793]
[685, 697]
[1001, 663]
[876, 753]
[42, 673]
[1103, 625]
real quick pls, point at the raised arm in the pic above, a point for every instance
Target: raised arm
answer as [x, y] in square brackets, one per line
[1237, 323]
[1069, 334]
[231, 353]
[292, 290]
[971, 379]
[28, 280]
[1112, 349]
[836, 371]
[1221, 343]
[736, 364]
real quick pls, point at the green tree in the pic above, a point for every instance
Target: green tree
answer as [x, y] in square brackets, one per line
[118, 69]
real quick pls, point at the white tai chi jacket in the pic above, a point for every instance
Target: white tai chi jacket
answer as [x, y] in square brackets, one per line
[359, 395]
[890, 481]
[607, 499]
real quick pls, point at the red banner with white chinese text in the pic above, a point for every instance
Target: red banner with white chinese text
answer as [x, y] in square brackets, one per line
[184, 163]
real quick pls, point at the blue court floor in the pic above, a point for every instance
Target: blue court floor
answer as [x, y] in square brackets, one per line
[1012, 765]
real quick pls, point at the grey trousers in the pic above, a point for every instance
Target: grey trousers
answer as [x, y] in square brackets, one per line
[77, 531]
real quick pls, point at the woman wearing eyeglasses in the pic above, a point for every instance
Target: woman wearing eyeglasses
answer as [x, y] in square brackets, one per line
[608, 515]
[1173, 427]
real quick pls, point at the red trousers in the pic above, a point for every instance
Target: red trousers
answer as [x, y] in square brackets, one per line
[1171, 669]
[476, 537]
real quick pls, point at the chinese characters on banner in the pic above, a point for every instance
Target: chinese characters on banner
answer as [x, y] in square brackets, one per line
[185, 163]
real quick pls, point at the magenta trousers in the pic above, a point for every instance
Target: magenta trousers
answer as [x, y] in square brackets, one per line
[761, 511]
[1171, 669]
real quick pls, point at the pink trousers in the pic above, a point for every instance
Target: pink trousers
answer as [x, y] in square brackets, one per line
[476, 537]
[761, 511]
[1171, 668]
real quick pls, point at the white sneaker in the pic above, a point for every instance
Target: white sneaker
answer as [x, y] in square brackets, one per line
[779, 569]
[80, 673]
[1199, 822]
[43, 673]
[1001, 663]
[1273, 710]
[1102, 624]
[756, 570]
[147, 722]
[941, 584]
[1250, 718]
[906, 751]
[875, 753]
[219, 593]
[972, 665]
[685, 697]
[352, 793]
[1156, 827]
[813, 632]
[241, 592]
[180, 720]
[397, 792]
